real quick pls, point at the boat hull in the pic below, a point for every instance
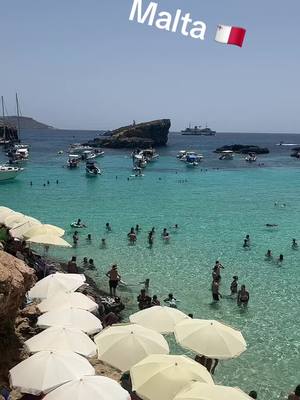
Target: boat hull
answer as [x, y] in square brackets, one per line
[8, 175]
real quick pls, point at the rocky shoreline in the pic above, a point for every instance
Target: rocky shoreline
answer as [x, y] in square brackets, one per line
[18, 318]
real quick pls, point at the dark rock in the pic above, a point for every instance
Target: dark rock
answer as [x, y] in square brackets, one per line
[146, 134]
[244, 149]
[296, 152]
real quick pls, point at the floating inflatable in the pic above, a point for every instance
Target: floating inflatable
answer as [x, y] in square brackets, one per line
[75, 225]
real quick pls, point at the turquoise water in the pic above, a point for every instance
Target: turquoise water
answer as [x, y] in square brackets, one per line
[214, 210]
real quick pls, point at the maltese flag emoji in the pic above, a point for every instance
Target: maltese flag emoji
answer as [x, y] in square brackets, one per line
[230, 35]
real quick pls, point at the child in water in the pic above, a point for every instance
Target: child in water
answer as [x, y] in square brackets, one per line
[234, 286]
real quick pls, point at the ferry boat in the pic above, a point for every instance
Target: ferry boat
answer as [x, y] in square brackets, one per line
[8, 172]
[197, 130]
[226, 155]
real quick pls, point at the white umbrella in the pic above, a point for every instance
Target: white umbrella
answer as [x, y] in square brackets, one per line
[203, 391]
[13, 218]
[160, 319]
[89, 388]
[59, 338]
[124, 345]
[46, 370]
[66, 300]
[54, 284]
[162, 377]
[72, 317]
[44, 229]
[48, 240]
[18, 230]
[210, 338]
[4, 213]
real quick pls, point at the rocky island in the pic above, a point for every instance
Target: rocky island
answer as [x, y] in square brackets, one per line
[243, 149]
[145, 134]
[25, 122]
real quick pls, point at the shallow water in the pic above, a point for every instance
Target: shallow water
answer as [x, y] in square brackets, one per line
[214, 209]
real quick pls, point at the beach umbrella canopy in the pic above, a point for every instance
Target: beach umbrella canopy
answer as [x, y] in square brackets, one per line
[4, 213]
[160, 319]
[210, 338]
[44, 229]
[54, 284]
[71, 317]
[62, 301]
[59, 338]
[18, 230]
[17, 219]
[46, 370]
[89, 388]
[163, 377]
[203, 391]
[48, 240]
[124, 345]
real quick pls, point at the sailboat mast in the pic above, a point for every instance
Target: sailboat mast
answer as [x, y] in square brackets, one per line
[18, 116]
[3, 119]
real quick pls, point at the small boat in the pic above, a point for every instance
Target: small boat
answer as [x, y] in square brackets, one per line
[191, 161]
[98, 152]
[181, 154]
[149, 155]
[73, 161]
[251, 157]
[60, 152]
[92, 169]
[197, 156]
[139, 161]
[9, 172]
[226, 155]
[87, 155]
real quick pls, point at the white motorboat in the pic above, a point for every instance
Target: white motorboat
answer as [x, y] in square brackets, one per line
[226, 155]
[77, 148]
[8, 172]
[73, 161]
[192, 154]
[92, 168]
[149, 155]
[251, 157]
[98, 152]
[191, 161]
[181, 153]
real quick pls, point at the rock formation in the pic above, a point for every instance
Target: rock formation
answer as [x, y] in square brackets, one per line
[243, 149]
[146, 134]
[15, 280]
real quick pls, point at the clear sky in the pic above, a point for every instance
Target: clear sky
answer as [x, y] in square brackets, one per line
[82, 64]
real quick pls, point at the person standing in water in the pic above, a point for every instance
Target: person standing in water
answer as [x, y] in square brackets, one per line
[280, 259]
[268, 255]
[234, 286]
[114, 279]
[243, 296]
[215, 290]
[108, 227]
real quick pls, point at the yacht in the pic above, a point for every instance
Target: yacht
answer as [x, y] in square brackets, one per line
[92, 169]
[78, 148]
[73, 161]
[9, 172]
[226, 155]
[149, 155]
[251, 157]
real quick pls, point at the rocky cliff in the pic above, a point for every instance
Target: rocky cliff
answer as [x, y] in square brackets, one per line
[15, 280]
[153, 133]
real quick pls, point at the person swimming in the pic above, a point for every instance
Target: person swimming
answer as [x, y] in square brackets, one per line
[280, 259]
[247, 239]
[85, 262]
[103, 244]
[137, 228]
[268, 255]
[234, 285]
[271, 225]
[294, 244]
[150, 239]
[91, 264]
[171, 300]
[108, 227]
[89, 238]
